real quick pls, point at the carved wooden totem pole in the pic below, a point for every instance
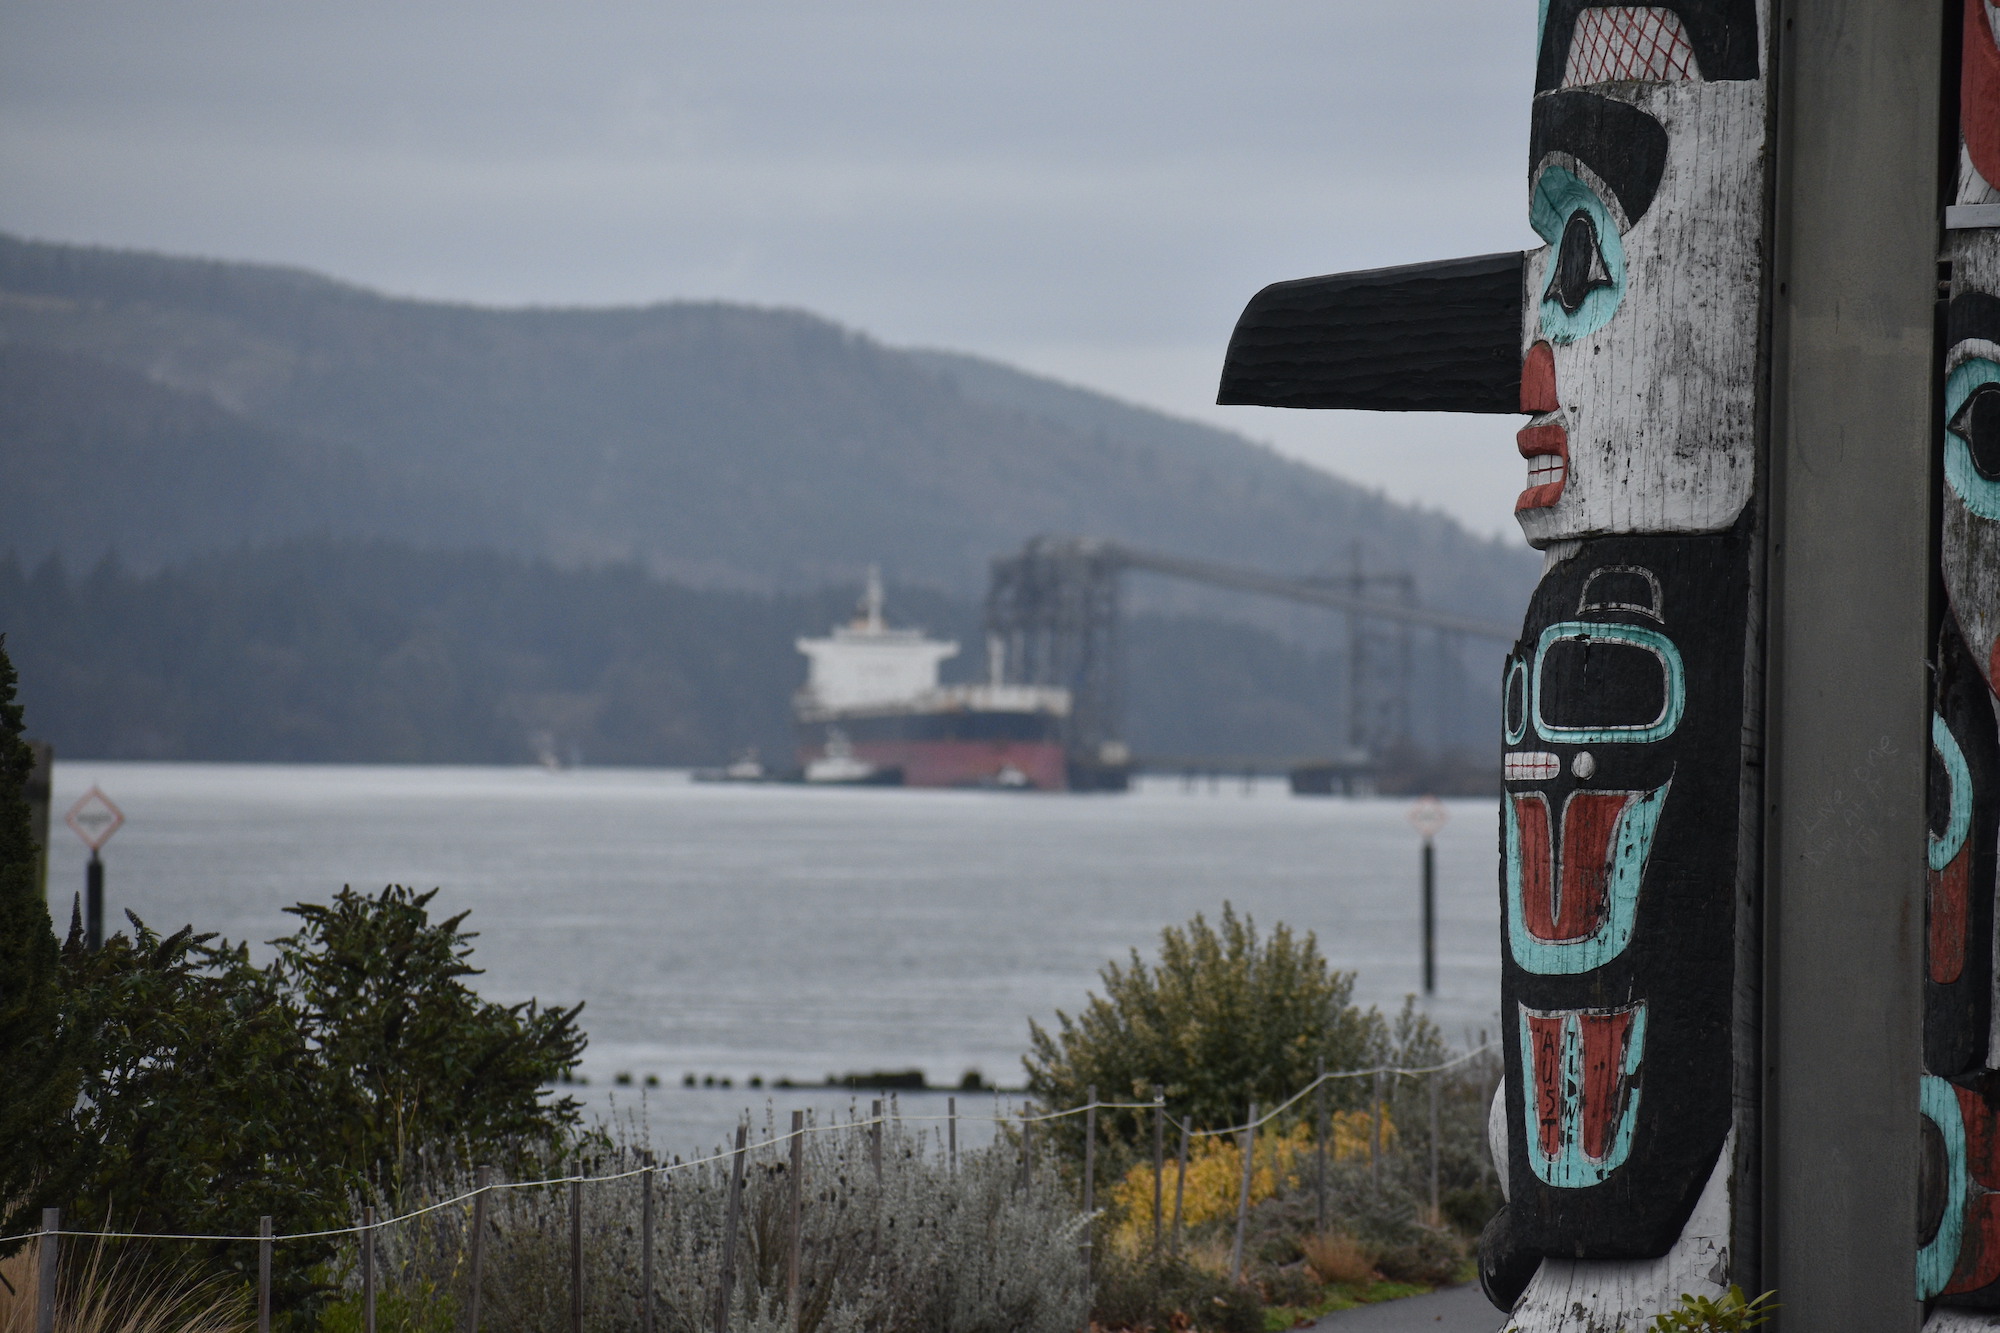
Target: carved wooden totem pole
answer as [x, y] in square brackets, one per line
[1630, 341]
[1959, 1259]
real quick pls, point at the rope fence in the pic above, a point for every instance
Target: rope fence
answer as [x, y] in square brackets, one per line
[52, 1230]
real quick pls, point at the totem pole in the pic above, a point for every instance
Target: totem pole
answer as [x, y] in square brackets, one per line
[1959, 1218]
[1638, 342]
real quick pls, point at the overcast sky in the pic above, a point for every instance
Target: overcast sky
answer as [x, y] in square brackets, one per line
[1088, 190]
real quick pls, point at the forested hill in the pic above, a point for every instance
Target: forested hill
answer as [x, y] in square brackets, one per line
[721, 445]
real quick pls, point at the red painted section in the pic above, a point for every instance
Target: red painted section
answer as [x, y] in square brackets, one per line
[1945, 954]
[1545, 1043]
[1538, 380]
[1993, 667]
[1589, 818]
[1979, 93]
[1538, 908]
[1979, 1251]
[928, 763]
[1605, 1037]
[1539, 442]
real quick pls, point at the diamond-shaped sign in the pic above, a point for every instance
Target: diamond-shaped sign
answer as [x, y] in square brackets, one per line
[94, 818]
[1427, 816]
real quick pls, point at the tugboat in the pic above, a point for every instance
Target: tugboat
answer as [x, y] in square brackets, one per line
[872, 706]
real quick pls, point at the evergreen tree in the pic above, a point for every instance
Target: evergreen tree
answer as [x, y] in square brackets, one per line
[38, 1079]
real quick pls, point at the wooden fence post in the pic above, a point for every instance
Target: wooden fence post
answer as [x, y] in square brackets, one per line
[951, 1133]
[646, 1246]
[1437, 1212]
[481, 1177]
[367, 1276]
[798, 1184]
[1159, 1158]
[733, 1216]
[1089, 1181]
[1249, 1142]
[46, 1271]
[1180, 1189]
[1375, 1132]
[1321, 1129]
[576, 1253]
[875, 1140]
[264, 1275]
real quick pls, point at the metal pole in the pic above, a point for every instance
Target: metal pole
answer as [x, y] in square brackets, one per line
[576, 1255]
[646, 1241]
[93, 903]
[45, 1276]
[1319, 1145]
[798, 1184]
[1430, 918]
[1159, 1159]
[367, 1278]
[482, 1177]
[1846, 689]
[1180, 1188]
[264, 1247]
[732, 1221]
[1249, 1146]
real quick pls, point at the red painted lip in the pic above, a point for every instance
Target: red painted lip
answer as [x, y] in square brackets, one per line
[1547, 439]
[1544, 441]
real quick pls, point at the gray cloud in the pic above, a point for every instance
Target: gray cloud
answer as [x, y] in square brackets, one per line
[1090, 188]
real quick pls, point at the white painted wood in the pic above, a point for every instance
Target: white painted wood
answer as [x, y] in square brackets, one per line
[1583, 1296]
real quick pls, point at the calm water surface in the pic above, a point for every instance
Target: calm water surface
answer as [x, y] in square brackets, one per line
[784, 932]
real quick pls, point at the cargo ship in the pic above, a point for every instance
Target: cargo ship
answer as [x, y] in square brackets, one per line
[872, 711]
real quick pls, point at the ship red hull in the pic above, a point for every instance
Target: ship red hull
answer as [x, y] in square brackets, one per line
[963, 763]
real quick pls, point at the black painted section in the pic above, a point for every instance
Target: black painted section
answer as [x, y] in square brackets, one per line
[1437, 337]
[1723, 34]
[1957, 1012]
[1624, 146]
[1681, 960]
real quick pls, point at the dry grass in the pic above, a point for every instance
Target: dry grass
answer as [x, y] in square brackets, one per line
[101, 1297]
[1335, 1256]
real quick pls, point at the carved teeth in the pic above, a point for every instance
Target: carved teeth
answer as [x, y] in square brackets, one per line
[1531, 766]
[1545, 469]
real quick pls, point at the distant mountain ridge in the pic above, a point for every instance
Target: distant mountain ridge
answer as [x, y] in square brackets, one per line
[720, 445]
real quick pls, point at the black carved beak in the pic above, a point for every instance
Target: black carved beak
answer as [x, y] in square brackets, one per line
[1438, 337]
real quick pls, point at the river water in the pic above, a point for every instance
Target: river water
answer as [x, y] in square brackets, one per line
[735, 932]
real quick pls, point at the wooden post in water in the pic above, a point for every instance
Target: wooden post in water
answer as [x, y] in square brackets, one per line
[482, 1177]
[646, 1246]
[264, 1275]
[732, 1220]
[1159, 1158]
[45, 1276]
[575, 1254]
[369, 1269]
[798, 1184]
[1249, 1145]
[1320, 1128]
[1180, 1188]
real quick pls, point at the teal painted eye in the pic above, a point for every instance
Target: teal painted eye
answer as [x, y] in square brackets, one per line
[1972, 435]
[1586, 278]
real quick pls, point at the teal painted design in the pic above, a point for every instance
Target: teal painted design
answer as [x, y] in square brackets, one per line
[1631, 843]
[1517, 680]
[1558, 195]
[1944, 849]
[1935, 1261]
[1654, 642]
[1542, 26]
[1981, 496]
[1571, 1168]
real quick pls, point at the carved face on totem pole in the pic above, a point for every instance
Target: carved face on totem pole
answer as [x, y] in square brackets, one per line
[1646, 181]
